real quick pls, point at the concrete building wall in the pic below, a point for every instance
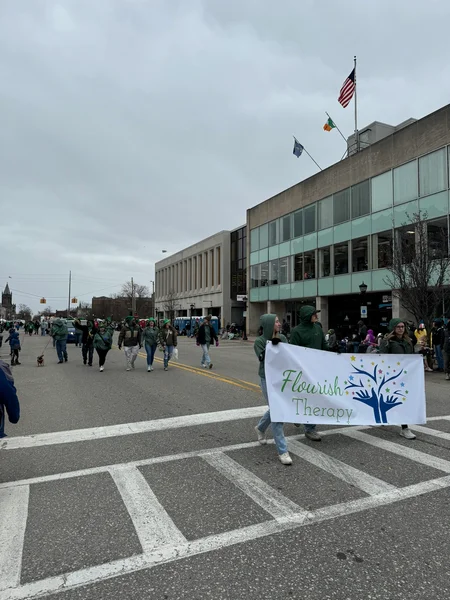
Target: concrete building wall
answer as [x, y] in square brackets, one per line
[198, 275]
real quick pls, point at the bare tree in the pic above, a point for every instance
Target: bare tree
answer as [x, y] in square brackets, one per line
[140, 291]
[48, 311]
[24, 312]
[419, 269]
[170, 304]
[84, 309]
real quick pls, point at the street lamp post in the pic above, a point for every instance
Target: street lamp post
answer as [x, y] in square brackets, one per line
[192, 306]
[362, 303]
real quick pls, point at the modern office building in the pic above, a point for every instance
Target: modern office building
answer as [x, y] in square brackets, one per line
[205, 278]
[320, 240]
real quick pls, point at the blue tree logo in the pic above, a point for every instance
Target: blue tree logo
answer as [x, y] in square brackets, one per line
[369, 386]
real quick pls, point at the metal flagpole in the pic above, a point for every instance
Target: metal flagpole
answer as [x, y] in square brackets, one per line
[307, 153]
[356, 109]
[70, 285]
[342, 135]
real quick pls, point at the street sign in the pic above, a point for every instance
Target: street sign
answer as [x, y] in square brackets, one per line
[363, 312]
[241, 298]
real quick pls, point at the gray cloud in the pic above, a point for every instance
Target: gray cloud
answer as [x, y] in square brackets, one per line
[129, 127]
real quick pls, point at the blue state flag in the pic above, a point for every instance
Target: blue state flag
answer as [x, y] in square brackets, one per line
[298, 148]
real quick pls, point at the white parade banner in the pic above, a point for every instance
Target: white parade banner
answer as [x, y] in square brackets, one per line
[317, 387]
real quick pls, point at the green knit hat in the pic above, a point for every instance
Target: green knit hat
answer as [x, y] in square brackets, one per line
[393, 324]
[166, 321]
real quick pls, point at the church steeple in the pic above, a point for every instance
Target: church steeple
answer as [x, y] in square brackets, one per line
[7, 289]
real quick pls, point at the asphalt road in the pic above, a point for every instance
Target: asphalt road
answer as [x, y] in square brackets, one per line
[152, 485]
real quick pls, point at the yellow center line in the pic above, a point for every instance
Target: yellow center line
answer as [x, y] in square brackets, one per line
[246, 385]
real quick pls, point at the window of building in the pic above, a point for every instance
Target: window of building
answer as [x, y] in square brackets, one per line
[263, 236]
[286, 226]
[207, 282]
[254, 240]
[406, 242]
[341, 206]
[273, 233]
[298, 267]
[405, 183]
[384, 249]
[432, 173]
[200, 272]
[219, 266]
[195, 280]
[213, 268]
[283, 270]
[360, 254]
[255, 276]
[309, 219]
[437, 237]
[382, 192]
[264, 274]
[273, 272]
[341, 259]
[298, 223]
[361, 199]
[309, 261]
[325, 210]
[325, 262]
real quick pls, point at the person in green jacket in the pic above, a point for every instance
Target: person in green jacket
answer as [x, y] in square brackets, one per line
[397, 341]
[309, 334]
[59, 335]
[150, 336]
[271, 327]
[102, 342]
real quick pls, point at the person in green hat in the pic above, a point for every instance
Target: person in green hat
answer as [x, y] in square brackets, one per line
[397, 341]
[103, 339]
[130, 337]
[167, 341]
[150, 335]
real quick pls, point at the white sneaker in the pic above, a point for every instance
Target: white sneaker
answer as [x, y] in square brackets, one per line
[128, 368]
[102, 369]
[149, 369]
[285, 459]
[261, 436]
[407, 434]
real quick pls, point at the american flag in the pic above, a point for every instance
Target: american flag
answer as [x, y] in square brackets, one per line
[347, 90]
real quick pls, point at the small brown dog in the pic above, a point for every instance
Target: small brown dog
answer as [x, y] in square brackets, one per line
[40, 360]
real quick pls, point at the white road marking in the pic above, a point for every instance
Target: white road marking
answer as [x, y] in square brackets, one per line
[355, 477]
[153, 525]
[92, 575]
[443, 435]
[13, 522]
[153, 461]
[415, 455]
[96, 433]
[260, 492]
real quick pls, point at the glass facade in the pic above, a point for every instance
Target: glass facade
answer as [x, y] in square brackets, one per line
[238, 262]
[357, 229]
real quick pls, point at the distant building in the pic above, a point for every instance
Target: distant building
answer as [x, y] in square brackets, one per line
[8, 309]
[119, 308]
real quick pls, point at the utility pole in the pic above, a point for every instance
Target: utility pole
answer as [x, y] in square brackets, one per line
[133, 298]
[70, 286]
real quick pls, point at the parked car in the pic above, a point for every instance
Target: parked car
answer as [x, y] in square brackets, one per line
[71, 331]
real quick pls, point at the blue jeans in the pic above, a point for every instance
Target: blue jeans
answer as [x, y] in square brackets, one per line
[43, 331]
[61, 349]
[150, 353]
[168, 351]
[277, 428]
[206, 360]
[439, 356]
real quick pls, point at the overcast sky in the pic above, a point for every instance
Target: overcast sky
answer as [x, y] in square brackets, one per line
[133, 126]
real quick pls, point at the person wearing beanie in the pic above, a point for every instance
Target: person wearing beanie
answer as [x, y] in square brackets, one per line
[397, 341]
[130, 336]
[87, 333]
[102, 342]
[168, 341]
[205, 337]
[150, 336]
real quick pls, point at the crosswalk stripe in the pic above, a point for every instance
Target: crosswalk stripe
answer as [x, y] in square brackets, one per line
[415, 455]
[153, 525]
[13, 522]
[355, 477]
[443, 435]
[133, 564]
[260, 492]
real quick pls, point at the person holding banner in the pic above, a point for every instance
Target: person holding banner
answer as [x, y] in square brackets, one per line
[271, 327]
[309, 334]
[397, 341]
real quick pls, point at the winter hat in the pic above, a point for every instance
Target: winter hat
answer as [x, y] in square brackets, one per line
[393, 324]
[166, 321]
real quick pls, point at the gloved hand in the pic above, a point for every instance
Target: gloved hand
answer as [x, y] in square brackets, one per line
[275, 341]
[217, 343]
